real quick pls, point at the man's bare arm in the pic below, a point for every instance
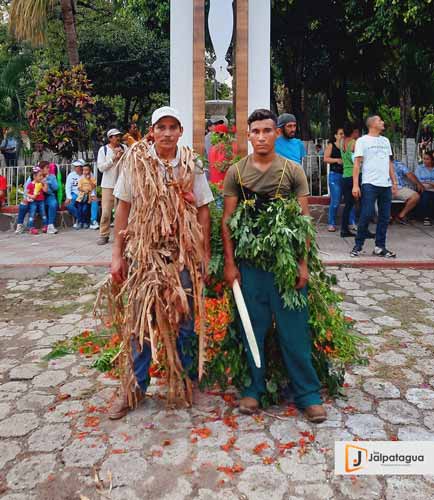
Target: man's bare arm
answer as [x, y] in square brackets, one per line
[231, 271]
[356, 173]
[393, 177]
[119, 268]
[416, 182]
[303, 273]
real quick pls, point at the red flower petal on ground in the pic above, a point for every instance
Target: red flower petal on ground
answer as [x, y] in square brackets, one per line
[260, 447]
[229, 444]
[231, 421]
[91, 422]
[230, 471]
[118, 451]
[286, 446]
[203, 432]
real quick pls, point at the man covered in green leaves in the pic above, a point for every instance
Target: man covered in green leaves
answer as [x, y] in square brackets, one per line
[262, 176]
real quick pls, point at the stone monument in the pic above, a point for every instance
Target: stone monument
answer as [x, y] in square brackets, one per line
[249, 23]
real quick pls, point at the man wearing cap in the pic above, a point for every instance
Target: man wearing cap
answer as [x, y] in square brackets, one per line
[107, 163]
[71, 189]
[287, 145]
[166, 128]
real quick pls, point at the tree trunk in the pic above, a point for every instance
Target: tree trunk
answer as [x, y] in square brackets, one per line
[127, 110]
[338, 105]
[68, 17]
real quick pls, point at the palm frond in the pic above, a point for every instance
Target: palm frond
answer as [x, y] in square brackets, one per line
[28, 19]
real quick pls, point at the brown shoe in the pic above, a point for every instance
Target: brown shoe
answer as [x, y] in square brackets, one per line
[315, 414]
[248, 406]
[119, 407]
[102, 240]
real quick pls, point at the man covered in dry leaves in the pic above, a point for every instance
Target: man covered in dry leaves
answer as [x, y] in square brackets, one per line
[166, 131]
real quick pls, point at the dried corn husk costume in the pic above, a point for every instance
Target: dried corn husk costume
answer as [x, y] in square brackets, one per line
[163, 238]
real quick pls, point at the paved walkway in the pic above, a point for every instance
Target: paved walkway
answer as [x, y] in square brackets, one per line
[414, 243]
[56, 442]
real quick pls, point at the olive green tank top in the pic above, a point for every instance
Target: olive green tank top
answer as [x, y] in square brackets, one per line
[347, 160]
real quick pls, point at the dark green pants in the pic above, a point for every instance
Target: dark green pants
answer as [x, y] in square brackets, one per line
[263, 302]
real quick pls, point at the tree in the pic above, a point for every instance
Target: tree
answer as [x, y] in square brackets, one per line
[15, 81]
[29, 18]
[60, 111]
[126, 59]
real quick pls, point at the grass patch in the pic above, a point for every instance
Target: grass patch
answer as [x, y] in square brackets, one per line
[62, 310]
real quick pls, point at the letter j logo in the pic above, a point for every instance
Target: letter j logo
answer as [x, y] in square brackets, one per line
[355, 457]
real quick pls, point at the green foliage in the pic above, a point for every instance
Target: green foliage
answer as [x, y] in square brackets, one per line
[105, 362]
[274, 238]
[60, 111]
[429, 120]
[217, 261]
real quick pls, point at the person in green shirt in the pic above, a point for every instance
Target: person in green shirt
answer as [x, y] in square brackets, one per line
[351, 134]
[265, 175]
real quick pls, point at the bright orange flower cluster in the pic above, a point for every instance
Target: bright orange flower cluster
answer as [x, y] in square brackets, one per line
[218, 317]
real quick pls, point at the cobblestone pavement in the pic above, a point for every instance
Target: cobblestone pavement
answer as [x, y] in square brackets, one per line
[54, 432]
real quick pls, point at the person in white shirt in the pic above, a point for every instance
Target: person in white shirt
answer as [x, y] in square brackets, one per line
[166, 129]
[378, 184]
[107, 163]
[71, 189]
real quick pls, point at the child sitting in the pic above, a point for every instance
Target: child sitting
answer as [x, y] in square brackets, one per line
[35, 198]
[86, 187]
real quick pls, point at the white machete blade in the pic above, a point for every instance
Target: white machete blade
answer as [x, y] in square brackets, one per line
[247, 324]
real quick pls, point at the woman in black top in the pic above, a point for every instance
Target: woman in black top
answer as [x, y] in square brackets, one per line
[332, 156]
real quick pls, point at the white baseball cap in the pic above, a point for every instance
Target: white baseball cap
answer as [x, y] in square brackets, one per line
[78, 163]
[113, 131]
[163, 112]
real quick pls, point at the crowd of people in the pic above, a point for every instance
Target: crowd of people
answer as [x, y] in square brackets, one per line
[363, 171]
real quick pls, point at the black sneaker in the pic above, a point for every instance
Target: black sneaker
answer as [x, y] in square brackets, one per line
[355, 252]
[383, 252]
[427, 221]
[347, 234]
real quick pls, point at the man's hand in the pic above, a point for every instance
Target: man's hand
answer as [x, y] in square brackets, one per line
[356, 192]
[67, 201]
[420, 187]
[303, 275]
[119, 152]
[231, 273]
[119, 269]
[394, 189]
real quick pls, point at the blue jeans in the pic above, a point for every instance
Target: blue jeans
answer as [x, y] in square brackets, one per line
[94, 211]
[383, 197]
[23, 210]
[51, 208]
[186, 337]
[72, 207]
[82, 212]
[336, 190]
[73, 210]
[425, 207]
[37, 206]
